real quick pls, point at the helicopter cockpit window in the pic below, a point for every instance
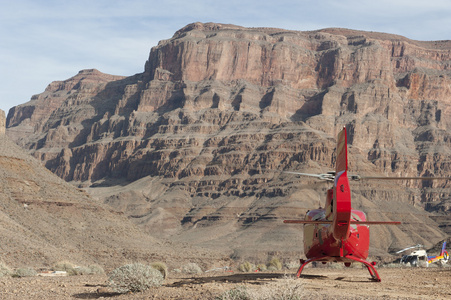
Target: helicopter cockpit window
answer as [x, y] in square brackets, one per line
[319, 216]
[408, 259]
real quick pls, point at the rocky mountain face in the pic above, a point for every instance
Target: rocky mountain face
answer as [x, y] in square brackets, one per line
[45, 220]
[194, 147]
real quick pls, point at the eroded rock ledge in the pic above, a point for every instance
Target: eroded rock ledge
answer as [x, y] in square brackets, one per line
[220, 110]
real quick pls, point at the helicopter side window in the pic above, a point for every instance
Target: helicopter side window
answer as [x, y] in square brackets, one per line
[319, 216]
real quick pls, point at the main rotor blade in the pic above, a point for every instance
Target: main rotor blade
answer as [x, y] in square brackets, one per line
[327, 176]
[405, 249]
[330, 176]
[358, 177]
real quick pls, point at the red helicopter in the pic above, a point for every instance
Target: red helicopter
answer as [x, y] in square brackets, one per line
[338, 233]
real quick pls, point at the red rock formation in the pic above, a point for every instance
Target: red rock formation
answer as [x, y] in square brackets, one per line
[218, 106]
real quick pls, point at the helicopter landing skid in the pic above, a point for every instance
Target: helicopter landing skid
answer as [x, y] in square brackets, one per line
[370, 266]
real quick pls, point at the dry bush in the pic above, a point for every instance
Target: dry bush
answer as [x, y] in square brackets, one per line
[89, 270]
[191, 268]
[134, 278]
[238, 293]
[81, 270]
[161, 267]
[294, 264]
[66, 266]
[283, 289]
[275, 264]
[25, 272]
[96, 269]
[72, 269]
[391, 265]
[246, 267]
[4, 270]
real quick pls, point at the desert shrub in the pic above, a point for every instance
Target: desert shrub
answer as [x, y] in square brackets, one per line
[160, 266]
[96, 269]
[81, 270]
[294, 264]
[283, 289]
[191, 268]
[4, 270]
[89, 270]
[262, 267]
[25, 272]
[238, 293]
[246, 267]
[391, 265]
[274, 264]
[72, 269]
[134, 278]
[65, 266]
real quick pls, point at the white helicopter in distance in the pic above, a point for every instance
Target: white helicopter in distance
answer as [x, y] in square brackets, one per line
[419, 257]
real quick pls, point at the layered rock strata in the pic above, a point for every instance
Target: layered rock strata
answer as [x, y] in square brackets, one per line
[204, 133]
[45, 220]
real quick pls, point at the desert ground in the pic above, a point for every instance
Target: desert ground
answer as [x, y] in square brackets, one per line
[317, 283]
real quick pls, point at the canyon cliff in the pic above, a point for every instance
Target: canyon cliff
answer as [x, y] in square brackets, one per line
[45, 220]
[194, 148]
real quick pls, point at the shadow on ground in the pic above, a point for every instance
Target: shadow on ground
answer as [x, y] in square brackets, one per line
[235, 278]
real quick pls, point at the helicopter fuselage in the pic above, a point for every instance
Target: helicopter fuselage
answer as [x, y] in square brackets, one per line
[337, 233]
[319, 238]
[419, 257]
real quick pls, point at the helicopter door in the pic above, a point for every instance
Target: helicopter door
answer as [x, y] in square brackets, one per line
[414, 261]
[423, 261]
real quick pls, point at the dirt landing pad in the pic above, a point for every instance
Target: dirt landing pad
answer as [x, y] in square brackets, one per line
[397, 283]
[408, 283]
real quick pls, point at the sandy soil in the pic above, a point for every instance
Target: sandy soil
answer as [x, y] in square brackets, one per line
[319, 283]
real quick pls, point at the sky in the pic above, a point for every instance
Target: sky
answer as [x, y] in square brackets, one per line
[48, 40]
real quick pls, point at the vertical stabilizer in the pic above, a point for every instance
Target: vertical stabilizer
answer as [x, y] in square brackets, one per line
[342, 192]
[342, 152]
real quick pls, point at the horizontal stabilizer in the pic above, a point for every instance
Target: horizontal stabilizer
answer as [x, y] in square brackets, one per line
[352, 222]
